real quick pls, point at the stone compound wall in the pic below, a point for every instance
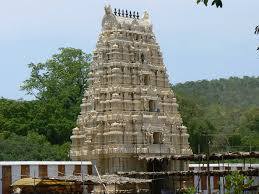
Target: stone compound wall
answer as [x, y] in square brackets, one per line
[129, 108]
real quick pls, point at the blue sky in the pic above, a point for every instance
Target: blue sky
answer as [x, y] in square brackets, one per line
[197, 42]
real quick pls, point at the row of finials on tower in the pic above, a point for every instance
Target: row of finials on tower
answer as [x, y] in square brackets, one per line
[126, 13]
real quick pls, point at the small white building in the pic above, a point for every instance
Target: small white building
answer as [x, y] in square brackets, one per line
[12, 171]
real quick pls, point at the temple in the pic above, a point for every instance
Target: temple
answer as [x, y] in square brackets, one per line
[129, 111]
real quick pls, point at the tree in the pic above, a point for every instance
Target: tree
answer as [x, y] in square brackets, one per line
[65, 72]
[249, 128]
[193, 119]
[30, 147]
[16, 116]
[236, 183]
[58, 85]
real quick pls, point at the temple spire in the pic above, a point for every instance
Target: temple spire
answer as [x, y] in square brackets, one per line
[128, 108]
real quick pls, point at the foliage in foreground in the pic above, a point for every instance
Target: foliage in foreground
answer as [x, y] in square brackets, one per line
[190, 190]
[236, 183]
[217, 3]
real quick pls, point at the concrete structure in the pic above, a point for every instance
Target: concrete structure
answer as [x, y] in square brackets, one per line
[129, 108]
[13, 171]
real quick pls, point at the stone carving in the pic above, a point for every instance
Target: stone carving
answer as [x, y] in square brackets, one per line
[109, 19]
[146, 15]
[129, 107]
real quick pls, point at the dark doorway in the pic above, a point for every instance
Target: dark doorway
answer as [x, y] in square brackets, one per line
[142, 58]
[160, 183]
[157, 138]
[146, 80]
[152, 106]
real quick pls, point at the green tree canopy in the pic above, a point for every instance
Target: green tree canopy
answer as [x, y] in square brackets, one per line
[58, 85]
[64, 74]
[30, 147]
[249, 128]
[17, 116]
[197, 124]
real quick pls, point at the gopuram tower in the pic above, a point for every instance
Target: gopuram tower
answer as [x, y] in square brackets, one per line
[129, 109]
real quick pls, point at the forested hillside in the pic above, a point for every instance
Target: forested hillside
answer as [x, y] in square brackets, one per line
[224, 111]
[232, 92]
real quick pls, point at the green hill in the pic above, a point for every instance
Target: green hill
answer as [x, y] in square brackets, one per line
[230, 107]
[232, 92]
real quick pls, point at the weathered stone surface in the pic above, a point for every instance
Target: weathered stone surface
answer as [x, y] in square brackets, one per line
[129, 107]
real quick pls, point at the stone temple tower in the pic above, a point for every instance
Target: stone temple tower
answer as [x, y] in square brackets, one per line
[129, 109]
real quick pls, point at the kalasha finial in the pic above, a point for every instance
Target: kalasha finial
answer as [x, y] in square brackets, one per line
[134, 15]
[115, 11]
[137, 15]
[130, 14]
[127, 13]
[119, 12]
[122, 13]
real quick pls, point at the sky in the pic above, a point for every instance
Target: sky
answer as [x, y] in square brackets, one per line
[197, 42]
